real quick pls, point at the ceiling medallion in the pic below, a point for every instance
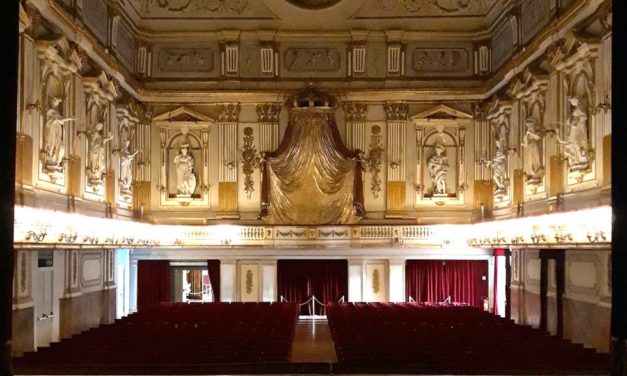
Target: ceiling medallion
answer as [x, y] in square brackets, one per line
[314, 4]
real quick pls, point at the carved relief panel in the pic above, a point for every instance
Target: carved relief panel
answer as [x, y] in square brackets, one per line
[530, 90]
[126, 151]
[440, 156]
[184, 159]
[99, 93]
[498, 161]
[58, 63]
[574, 58]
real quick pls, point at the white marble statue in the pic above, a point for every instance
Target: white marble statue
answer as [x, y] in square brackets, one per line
[54, 150]
[96, 152]
[438, 169]
[576, 143]
[126, 167]
[531, 144]
[499, 168]
[186, 180]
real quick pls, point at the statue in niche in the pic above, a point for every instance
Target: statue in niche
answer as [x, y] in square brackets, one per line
[96, 151]
[54, 150]
[126, 167]
[499, 162]
[576, 143]
[186, 180]
[438, 169]
[534, 170]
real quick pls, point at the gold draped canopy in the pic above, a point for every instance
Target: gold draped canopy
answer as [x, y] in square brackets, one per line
[311, 179]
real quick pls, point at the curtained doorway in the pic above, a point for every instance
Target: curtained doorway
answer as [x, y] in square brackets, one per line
[312, 283]
[434, 281]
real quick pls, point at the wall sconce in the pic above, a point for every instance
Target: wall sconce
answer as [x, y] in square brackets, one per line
[68, 238]
[499, 239]
[537, 238]
[562, 238]
[518, 239]
[604, 106]
[111, 240]
[37, 237]
[594, 238]
[90, 239]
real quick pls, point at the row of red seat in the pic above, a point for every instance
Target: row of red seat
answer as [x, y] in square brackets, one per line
[179, 334]
[449, 338]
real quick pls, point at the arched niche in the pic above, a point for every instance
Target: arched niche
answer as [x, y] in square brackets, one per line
[440, 161]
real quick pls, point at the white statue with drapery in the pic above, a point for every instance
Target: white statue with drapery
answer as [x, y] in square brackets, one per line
[54, 150]
[499, 162]
[576, 143]
[438, 169]
[184, 162]
[126, 167]
[534, 169]
[96, 151]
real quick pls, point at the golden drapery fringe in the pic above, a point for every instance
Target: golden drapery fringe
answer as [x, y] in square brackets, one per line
[311, 179]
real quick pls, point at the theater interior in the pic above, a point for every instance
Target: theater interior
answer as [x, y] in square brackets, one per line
[312, 187]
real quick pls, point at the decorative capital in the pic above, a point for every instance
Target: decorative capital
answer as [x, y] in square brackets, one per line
[395, 111]
[355, 111]
[228, 113]
[268, 112]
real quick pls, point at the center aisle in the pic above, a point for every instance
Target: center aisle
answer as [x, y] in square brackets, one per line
[313, 342]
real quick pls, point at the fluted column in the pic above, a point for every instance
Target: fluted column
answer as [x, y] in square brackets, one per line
[397, 115]
[268, 117]
[356, 125]
[227, 163]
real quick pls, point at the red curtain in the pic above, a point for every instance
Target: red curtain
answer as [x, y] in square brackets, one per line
[213, 267]
[153, 283]
[465, 281]
[299, 280]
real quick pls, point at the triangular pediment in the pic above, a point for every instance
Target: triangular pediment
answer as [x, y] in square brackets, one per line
[442, 111]
[183, 114]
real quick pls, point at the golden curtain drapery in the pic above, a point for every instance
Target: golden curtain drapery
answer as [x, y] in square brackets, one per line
[311, 179]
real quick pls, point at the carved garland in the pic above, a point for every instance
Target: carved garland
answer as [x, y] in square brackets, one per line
[250, 161]
[373, 160]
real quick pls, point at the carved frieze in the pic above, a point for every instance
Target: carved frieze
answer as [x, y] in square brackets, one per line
[396, 111]
[434, 8]
[355, 111]
[228, 113]
[312, 59]
[268, 112]
[201, 8]
[185, 60]
[440, 60]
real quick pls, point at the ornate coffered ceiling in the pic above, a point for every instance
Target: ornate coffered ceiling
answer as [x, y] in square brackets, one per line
[305, 15]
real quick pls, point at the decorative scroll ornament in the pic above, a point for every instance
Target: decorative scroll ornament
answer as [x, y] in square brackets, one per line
[374, 159]
[249, 281]
[250, 161]
[576, 148]
[375, 281]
